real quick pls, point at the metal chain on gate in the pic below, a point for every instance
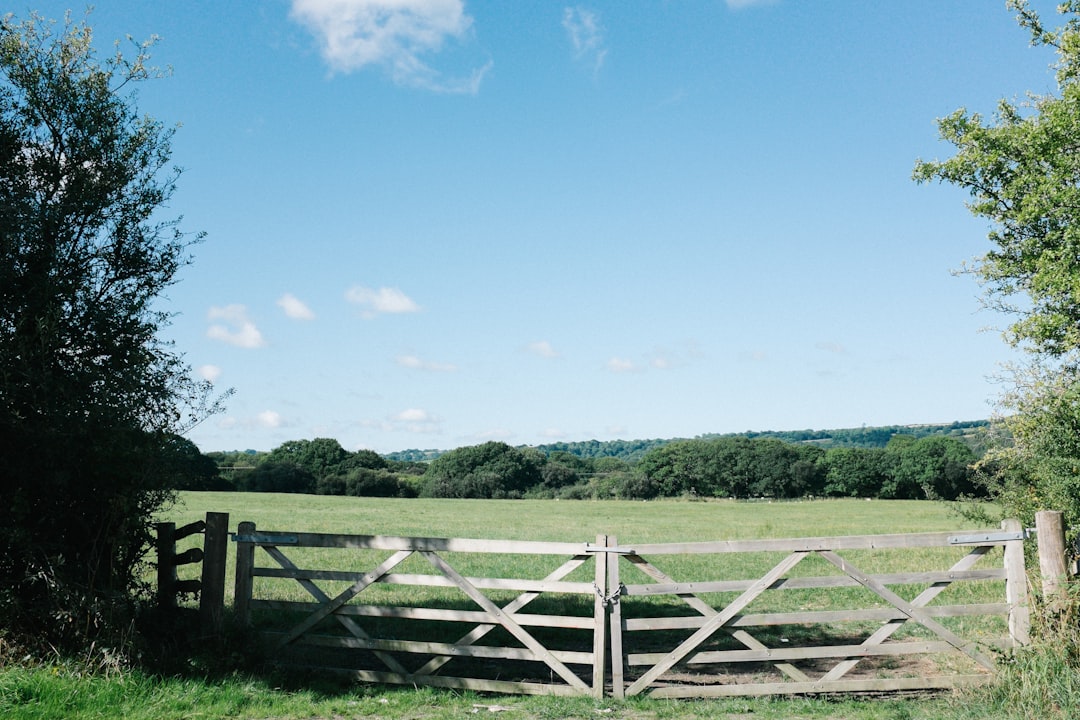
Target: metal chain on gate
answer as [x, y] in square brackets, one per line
[609, 599]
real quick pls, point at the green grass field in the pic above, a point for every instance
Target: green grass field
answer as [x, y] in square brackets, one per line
[61, 691]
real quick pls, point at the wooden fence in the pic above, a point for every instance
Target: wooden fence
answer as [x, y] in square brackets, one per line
[862, 625]
[210, 586]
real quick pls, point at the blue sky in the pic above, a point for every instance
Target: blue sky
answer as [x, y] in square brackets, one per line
[432, 223]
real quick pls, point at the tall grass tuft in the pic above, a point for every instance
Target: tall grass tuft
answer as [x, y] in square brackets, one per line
[1040, 681]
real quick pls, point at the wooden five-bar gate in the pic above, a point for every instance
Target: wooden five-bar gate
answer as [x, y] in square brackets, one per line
[776, 616]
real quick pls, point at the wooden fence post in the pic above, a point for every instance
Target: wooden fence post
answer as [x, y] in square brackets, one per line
[215, 552]
[245, 562]
[166, 565]
[1051, 530]
[615, 622]
[1016, 586]
[600, 616]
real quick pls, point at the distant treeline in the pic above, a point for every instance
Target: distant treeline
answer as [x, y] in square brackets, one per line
[927, 462]
[972, 432]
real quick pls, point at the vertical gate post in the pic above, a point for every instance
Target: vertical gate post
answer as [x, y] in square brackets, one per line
[1016, 594]
[600, 617]
[166, 565]
[615, 622]
[245, 562]
[1051, 531]
[212, 597]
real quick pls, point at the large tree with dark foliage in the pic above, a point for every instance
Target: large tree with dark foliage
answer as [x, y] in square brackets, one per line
[90, 397]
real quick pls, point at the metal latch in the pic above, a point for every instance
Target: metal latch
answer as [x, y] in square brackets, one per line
[267, 539]
[590, 548]
[989, 538]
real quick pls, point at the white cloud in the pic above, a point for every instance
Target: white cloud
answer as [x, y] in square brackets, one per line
[553, 434]
[542, 348]
[414, 363]
[384, 300]
[235, 327]
[269, 419]
[621, 365]
[413, 415]
[208, 372]
[416, 420]
[295, 308]
[393, 34]
[586, 36]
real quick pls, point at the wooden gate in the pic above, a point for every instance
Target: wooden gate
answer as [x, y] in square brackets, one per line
[756, 617]
[401, 634]
[855, 628]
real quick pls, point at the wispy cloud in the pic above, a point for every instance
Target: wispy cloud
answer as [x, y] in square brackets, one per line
[414, 363]
[380, 301]
[208, 372]
[234, 328]
[586, 36]
[622, 365]
[393, 34]
[831, 347]
[295, 308]
[542, 348]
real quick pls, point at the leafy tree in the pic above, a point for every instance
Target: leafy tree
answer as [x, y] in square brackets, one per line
[1023, 173]
[90, 398]
[491, 470]
[281, 476]
[320, 457]
[853, 471]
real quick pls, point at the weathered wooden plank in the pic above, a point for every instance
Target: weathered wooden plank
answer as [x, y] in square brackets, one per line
[811, 652]
[715, 622]
[819, 582]
[316, 592]
[242, 590]
[813, 617]
[485, 583]
[920, 601]
[352, 591]
[505, 687]
[517, 603]
[943, 682]
[600, 572]
[707, 611]
[910, 610]
[505, 620]
[615, 627]
[1016, 586]
[418, 544]
[192, 528]
[434, 648]
[848, 542]
[216, 552]
[569, 622]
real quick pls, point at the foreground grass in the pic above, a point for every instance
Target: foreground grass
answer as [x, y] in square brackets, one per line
[65, 692]
[56, 693]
